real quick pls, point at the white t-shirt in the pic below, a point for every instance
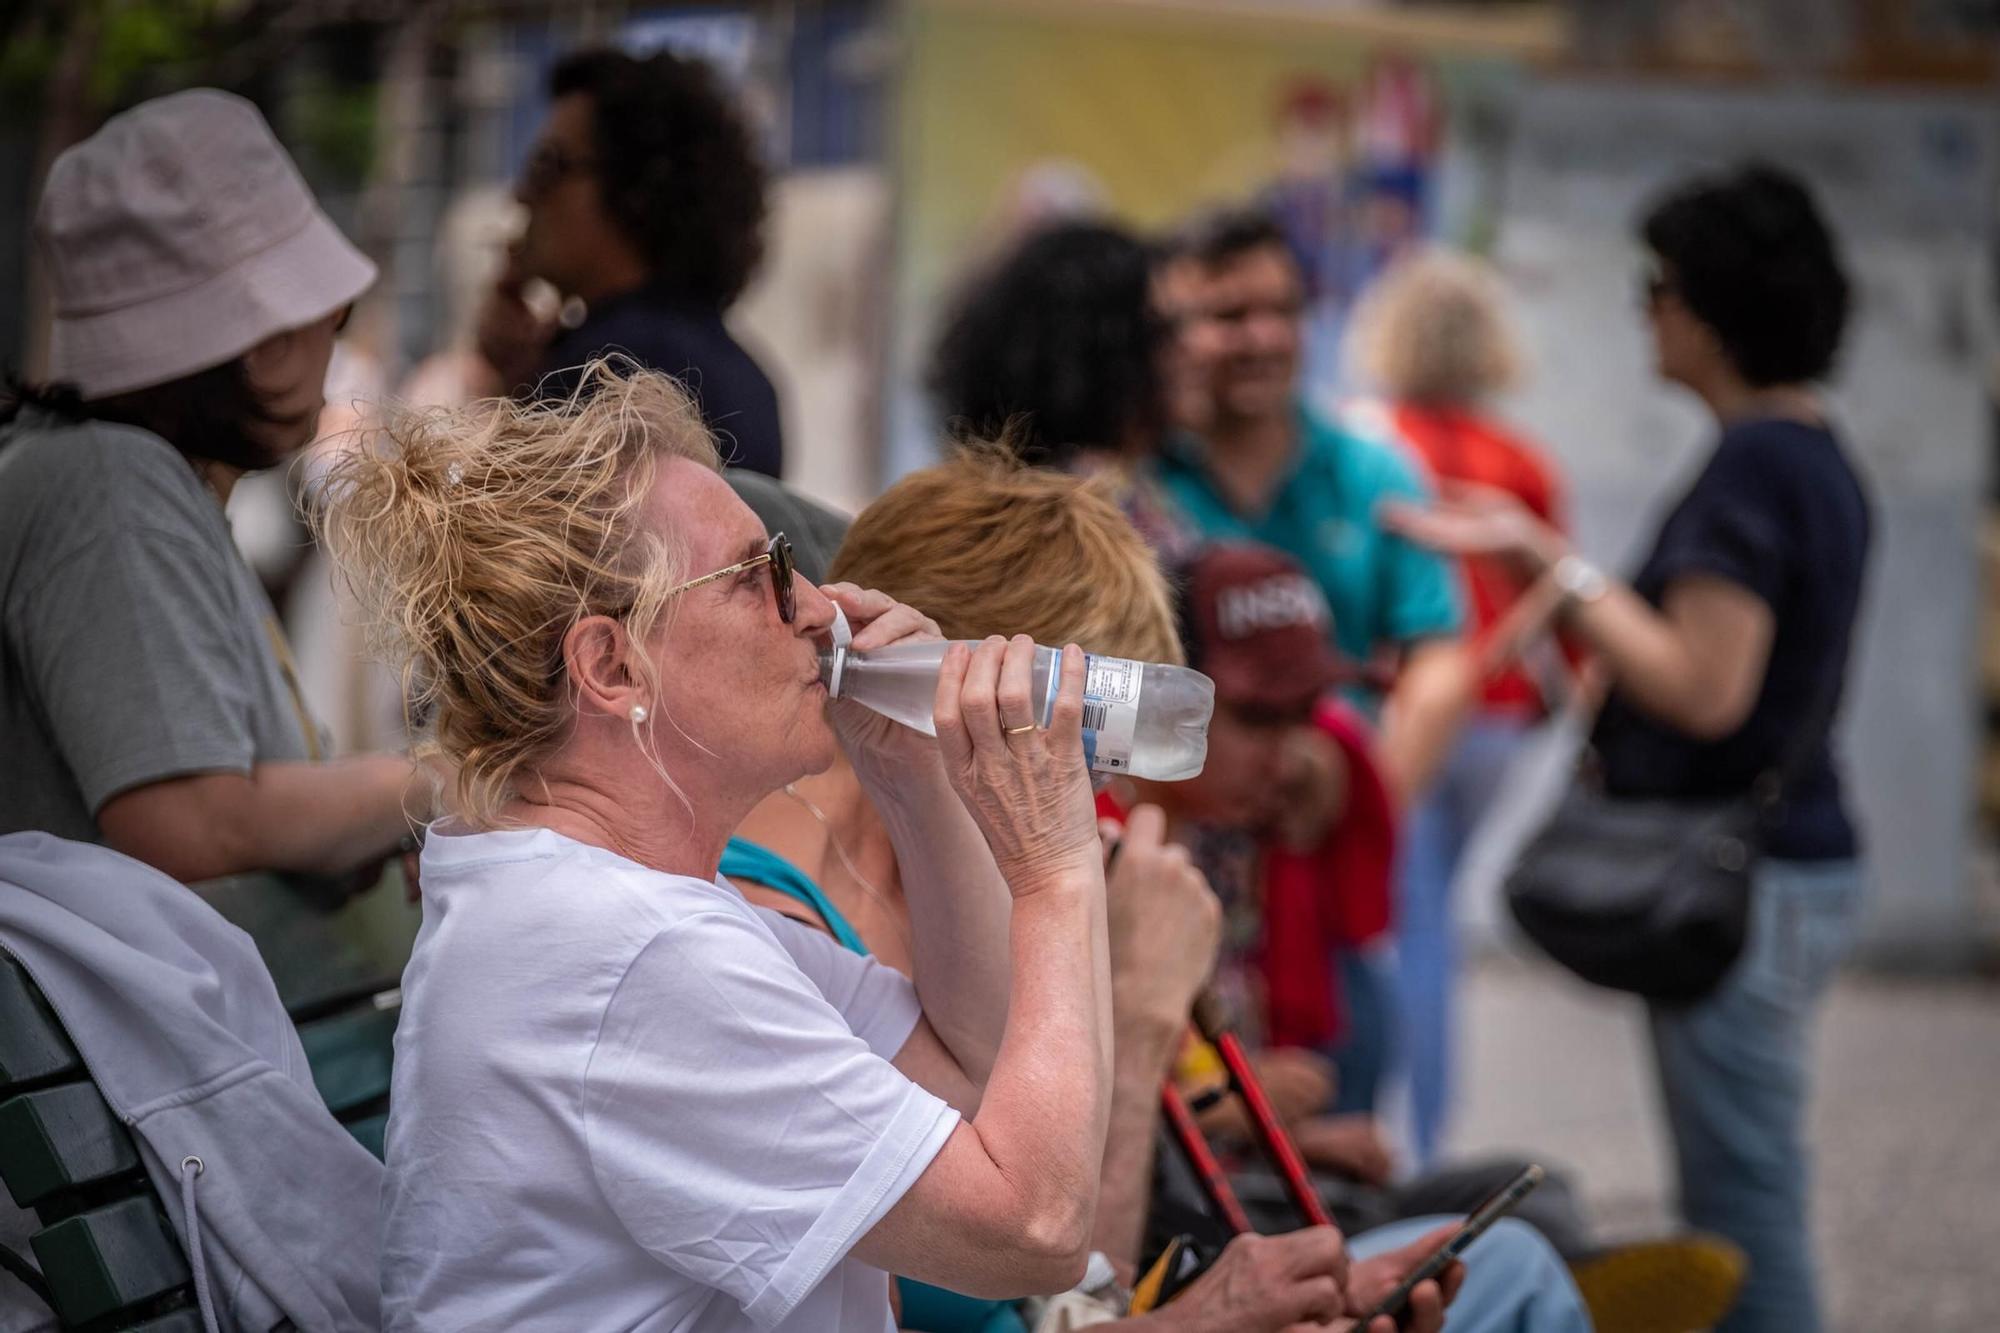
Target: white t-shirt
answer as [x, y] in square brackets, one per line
[630, 1100]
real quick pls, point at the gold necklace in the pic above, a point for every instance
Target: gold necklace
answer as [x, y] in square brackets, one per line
[896, 918]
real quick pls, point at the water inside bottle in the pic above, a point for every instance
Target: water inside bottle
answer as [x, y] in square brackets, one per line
[1145, 719]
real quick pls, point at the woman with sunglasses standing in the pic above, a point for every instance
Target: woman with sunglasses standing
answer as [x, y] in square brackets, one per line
[645, 202]
[1727, 657]
[623, 1096]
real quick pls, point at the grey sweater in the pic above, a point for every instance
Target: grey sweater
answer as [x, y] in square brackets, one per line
[178, 1020]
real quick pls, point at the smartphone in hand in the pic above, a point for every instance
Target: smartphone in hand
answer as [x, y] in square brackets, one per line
[1483, 1217]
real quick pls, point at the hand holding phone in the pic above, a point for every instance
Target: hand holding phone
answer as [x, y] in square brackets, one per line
[1482, 1219]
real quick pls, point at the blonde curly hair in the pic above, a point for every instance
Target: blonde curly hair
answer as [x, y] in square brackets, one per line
[1435, 329]
[474, 539]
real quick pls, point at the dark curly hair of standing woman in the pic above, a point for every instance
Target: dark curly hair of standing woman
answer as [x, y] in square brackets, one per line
[1055, 347]
[1750, 256]
[680, 168]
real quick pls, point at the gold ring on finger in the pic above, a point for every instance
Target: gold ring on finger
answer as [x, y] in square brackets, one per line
[1016, 731]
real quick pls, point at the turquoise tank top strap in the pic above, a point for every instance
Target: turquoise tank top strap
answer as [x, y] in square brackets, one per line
[766, 867]
[928, 1309]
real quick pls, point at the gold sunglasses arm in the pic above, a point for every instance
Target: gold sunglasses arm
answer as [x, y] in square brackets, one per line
[736, 568]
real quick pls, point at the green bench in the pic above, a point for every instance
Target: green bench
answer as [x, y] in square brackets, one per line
[109, 1258]
[108, 1255]
[350, 1050]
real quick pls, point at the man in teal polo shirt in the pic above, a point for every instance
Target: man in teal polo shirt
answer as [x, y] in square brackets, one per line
[1269, 469]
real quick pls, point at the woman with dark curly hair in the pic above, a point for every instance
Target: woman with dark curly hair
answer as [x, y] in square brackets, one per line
[645, 199]
[1057, 348]
[1727, 656]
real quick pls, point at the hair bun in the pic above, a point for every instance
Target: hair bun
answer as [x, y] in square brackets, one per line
[473, 538]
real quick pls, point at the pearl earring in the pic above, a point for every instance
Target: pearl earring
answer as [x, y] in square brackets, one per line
[638, 714]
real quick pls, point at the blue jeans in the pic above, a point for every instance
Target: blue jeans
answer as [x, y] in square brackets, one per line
[1735, 1075]
[1514, 1283]
[1434, 839]
[1362, 1054]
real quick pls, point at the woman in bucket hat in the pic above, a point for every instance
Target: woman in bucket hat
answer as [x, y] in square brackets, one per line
[147, 699]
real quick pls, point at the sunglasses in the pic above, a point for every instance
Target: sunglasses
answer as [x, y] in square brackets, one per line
[778, 555]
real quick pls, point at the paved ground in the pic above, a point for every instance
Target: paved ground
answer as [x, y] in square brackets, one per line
[1906, 1127]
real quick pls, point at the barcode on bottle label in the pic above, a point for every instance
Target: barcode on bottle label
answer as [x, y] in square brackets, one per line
[1095, 716]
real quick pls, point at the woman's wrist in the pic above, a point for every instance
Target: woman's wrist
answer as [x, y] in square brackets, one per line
[1151, 1033]
[1054, 877]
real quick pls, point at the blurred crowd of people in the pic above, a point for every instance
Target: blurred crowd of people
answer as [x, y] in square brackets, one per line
[728, 1000]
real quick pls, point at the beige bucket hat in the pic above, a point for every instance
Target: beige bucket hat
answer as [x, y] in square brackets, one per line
[178, 237]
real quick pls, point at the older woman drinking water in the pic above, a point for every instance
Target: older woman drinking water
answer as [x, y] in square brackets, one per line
[624, 1097]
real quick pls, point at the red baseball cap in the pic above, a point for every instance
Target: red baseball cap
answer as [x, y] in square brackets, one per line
[1255, 623]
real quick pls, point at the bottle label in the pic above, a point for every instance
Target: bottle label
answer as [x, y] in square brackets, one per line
[1110, 712]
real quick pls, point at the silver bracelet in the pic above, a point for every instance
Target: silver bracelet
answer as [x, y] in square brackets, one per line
[1580, 581]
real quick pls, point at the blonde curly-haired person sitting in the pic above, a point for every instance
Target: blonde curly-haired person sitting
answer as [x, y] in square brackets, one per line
[624, 1097]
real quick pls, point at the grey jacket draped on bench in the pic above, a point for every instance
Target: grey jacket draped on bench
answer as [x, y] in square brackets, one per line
[179, 1022]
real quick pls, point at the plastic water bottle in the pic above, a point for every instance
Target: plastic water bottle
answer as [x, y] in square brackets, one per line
[1143, 719]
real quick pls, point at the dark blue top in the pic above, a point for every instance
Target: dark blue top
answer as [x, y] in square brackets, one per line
[691, 344]
[1779, 510]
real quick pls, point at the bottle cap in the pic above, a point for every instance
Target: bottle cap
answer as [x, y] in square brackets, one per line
[833, 662]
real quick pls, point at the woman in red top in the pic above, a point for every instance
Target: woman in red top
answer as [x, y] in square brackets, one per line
[1434, 338]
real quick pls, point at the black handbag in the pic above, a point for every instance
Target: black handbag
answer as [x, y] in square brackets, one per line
[1650, 896]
